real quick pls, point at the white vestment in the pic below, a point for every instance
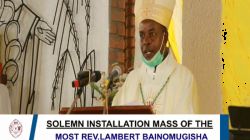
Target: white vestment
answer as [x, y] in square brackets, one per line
[178, 96]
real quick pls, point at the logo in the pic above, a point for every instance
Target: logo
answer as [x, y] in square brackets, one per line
[16, 128]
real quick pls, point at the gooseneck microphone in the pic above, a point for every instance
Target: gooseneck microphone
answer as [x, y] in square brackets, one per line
[115, 73]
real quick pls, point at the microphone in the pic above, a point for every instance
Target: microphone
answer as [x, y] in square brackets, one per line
[115, 73]
[84, 77]
[84, 74]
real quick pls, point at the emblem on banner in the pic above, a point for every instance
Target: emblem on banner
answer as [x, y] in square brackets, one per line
[15, 128]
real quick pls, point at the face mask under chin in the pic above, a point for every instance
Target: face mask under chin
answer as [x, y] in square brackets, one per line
[156, 60]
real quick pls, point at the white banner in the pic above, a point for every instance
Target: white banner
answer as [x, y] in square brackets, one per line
[110, 127]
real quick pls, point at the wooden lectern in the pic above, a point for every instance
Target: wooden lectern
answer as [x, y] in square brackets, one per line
[111, 110]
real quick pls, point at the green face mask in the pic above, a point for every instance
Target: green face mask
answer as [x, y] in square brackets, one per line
[156, 59]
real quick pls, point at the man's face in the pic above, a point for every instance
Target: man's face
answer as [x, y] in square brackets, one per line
[151, 37]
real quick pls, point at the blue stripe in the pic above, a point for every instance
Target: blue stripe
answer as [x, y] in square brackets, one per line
[33, 127]
[224, 131]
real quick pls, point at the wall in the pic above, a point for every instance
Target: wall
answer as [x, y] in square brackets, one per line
[122, 34]
[98, 40]
[201, 50]
[47, 62]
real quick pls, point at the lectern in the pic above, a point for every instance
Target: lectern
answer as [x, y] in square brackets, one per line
[111, 110]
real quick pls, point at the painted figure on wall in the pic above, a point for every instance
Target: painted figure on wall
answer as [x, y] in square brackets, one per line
[23, 31]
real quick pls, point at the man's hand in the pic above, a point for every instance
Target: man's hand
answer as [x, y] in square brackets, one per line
[44, 32]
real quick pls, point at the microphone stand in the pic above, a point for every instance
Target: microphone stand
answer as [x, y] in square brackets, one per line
[79, 92]
[105, 103]
[78, 95]
[106, 91]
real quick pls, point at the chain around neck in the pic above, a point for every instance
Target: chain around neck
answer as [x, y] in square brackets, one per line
[158, 94]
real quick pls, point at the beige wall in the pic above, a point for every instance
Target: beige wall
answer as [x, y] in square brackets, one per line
[201, 50]
[47, 61]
